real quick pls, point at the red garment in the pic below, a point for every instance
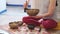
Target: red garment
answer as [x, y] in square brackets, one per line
[31, 20]
[47, 23]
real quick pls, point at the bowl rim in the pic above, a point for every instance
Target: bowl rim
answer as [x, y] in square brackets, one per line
[32, 9]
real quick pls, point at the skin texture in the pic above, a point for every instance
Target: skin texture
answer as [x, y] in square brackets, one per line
[50, 11]
[26, 3]
[51, 8]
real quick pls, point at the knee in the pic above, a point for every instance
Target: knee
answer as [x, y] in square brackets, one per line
[49, 24]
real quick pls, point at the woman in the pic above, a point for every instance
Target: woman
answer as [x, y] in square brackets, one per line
[47, 11]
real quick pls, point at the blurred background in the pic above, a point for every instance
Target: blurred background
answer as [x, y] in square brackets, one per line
[12, 10]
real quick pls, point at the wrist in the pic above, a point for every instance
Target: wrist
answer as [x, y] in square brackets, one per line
[45, 15]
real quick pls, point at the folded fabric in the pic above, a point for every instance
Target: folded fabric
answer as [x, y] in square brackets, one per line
[31, 20]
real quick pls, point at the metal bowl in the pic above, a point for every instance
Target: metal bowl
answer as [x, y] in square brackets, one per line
[32, 12]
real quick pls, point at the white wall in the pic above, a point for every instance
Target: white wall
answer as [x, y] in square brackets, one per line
[58, 9]
[17, 2]
[2, 5]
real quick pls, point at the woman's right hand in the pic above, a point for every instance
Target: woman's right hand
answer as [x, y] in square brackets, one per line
[25, 5]
[37, 16]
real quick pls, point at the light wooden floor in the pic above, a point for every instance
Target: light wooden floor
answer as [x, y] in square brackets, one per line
[58, 26]
[55, 30]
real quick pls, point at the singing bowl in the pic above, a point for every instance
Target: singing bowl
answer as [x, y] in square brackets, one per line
[13, 25]
[32, 12]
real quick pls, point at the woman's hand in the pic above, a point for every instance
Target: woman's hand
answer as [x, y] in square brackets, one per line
[37, 16]
[26, 3]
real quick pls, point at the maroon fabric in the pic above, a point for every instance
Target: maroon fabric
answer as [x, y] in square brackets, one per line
[31, 20]
[49, 23]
